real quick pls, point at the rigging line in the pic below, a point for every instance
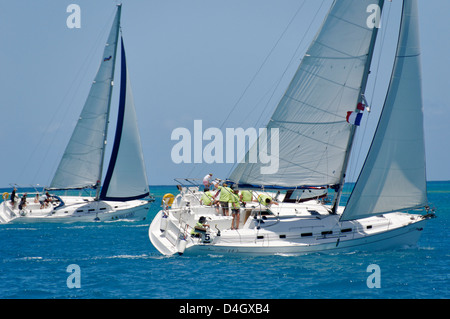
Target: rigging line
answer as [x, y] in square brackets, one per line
[255, 75]
[264, 62]
[375, 82]
[86, 63]
[283, 74]
[290, 61]
[59, 108]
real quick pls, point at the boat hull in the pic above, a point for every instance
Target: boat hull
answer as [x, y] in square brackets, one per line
[254, 242]
[404, 237]
[76, 209]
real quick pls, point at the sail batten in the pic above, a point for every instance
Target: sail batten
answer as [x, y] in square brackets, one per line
[81, 163]
[393, 177]
[311, 115]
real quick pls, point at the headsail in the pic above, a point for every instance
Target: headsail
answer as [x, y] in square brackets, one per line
[393, 176]
[311, 116]
[126, 178]
[82, 162]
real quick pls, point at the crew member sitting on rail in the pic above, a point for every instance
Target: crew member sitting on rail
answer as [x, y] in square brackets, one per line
[200, 227]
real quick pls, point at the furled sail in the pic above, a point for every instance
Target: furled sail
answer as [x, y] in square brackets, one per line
[81, 164]
[393, 176]
[126, 178]
[311, 116]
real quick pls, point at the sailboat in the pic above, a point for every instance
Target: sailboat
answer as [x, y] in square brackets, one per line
[125, 191]
[388, 206]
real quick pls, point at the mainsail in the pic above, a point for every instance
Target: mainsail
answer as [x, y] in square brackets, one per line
[82, 162]
[394, 176]
[126, 178]
[311, 116]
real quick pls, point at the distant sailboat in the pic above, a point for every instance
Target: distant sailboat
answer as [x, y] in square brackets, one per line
[315, 140]
[125, 191]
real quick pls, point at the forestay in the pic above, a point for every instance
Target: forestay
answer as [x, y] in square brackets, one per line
[393, 176]
[126, 178]
[81, 164]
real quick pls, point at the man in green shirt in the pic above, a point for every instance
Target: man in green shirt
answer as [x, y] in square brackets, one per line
[246, 197]
[235, 209]
[266, 200]
[207, 197]
[199, 227]
[224, 198]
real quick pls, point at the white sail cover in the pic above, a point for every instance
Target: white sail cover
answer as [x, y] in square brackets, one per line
[126, 178]
[393, 176]
[81, 163]
[311, 116]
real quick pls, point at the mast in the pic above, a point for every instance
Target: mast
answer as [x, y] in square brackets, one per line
[105, 131]
[366, 73]
[313, 134]
[82, 161]
[126, 177]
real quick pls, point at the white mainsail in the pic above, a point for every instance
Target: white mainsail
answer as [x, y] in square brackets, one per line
[311, 116]
[394, 176]
[82, 161]
[126, 178]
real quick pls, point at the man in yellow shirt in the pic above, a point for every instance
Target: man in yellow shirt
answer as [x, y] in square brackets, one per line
[207, 197]
[235, 209]
[224, 198]
[266, 200]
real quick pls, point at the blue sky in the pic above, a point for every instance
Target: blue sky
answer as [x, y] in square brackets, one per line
[218, 61]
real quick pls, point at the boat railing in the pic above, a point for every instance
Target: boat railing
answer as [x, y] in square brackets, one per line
[189, 186]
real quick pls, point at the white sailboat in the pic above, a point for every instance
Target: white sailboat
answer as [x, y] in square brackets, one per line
[125, 191]
[388, 206]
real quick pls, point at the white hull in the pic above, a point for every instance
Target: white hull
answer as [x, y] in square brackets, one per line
[75, 209]
[292, 229]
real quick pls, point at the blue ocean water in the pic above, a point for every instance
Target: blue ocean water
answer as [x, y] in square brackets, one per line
[117, 260]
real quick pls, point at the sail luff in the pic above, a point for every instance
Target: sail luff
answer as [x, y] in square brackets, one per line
[340, 185]
[311, 116]
[126, 177]
[81, 163]
[118, 14]
[393, 177]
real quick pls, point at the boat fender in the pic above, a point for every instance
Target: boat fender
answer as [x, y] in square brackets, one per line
[163, 224]
[167, 200]
[5, 195]
[181, 245]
